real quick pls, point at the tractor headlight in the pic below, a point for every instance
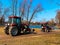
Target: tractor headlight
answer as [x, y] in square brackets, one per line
[8, 23]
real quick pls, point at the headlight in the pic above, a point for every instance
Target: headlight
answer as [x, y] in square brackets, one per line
[8, 23]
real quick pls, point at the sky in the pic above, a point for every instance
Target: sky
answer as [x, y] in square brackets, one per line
[49, 11]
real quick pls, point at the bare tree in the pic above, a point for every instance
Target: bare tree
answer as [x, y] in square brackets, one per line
[0, 8]
[26, 8]
[14, 7]
[56, 2]
[36, 10]
[1, 16]
[29, 6]
[58, 17]
[3, 13]
[23, 9]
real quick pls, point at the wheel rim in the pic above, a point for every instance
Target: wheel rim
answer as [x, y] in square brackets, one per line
[14, 32]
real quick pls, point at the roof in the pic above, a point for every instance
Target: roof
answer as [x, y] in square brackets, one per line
[14, 17]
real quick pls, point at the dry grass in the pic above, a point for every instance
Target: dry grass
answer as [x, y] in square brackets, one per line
[31, 39]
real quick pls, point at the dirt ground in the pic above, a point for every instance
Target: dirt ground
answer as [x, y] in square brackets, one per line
[38, 37]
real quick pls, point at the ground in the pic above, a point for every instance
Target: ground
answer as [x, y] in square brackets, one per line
[37, 38]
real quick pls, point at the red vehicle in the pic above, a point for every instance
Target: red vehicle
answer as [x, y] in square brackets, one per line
[15, 26]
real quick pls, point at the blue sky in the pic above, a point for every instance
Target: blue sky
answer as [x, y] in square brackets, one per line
[49, 8]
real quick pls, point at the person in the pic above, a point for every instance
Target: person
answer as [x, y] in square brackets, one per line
[48, 28]
[43, 28]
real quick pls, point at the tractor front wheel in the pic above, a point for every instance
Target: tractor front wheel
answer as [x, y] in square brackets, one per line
[13, 31]
[6, 30]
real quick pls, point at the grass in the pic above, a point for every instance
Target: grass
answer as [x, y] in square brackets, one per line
[39, 39]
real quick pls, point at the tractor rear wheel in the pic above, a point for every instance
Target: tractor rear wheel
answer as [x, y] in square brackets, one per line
[13, 31]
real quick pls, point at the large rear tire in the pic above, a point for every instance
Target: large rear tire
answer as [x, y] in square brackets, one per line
[13, 31]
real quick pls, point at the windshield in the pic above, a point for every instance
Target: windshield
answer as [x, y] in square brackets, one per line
[14, 20]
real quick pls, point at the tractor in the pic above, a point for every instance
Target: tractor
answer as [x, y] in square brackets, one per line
[15, 26]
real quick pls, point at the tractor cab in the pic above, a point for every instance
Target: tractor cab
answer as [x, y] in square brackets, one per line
[13, 25]
[14, 20]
